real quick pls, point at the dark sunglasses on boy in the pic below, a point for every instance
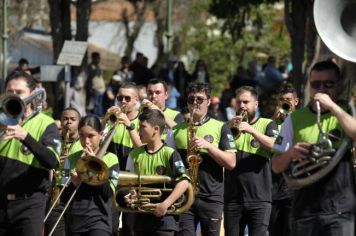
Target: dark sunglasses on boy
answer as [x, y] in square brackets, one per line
[121, 98]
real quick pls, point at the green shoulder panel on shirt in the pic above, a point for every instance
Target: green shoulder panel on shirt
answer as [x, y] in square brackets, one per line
[171, 113]
[76, 147]
[306, 129]
[247, 143]
[210, 131]
[14, 149]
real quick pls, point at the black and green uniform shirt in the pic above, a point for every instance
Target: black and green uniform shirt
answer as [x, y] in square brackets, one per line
[280, 189]
[176, 116]
[335, 192]
[121, 144]
[165, 161]
[210, 175]
[91, 206]
[25, 165]
[251, 179]
[72, 147]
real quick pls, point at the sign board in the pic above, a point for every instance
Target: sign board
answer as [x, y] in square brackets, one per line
[51, 73]
[72, 53]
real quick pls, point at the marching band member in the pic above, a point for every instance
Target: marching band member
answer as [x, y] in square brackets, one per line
[248, 187]
[326, 207]
[215, 145]
[69, 119]
[28, 151]
[90, 211]
[280, 220]
[156, 158]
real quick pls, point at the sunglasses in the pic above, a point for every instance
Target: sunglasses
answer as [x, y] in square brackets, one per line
[199, 100]
[120, 98]
[328, 84]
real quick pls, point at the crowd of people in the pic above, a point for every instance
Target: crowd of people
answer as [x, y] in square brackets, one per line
[231, 153]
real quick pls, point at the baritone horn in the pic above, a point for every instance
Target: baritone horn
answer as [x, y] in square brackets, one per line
[235, 127]
[146, 195]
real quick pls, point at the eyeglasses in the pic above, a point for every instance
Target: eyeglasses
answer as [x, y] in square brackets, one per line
[328, 84]
[120, 98]
[199, 100]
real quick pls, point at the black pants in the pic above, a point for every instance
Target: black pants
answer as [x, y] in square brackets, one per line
[156, 233]
[23, 216]
[208, 213]
[96, 232]
[280, 222]
[255, 215]
[60, 229]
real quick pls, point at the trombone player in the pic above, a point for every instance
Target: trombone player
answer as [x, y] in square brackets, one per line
[326, 207]
[29, 150]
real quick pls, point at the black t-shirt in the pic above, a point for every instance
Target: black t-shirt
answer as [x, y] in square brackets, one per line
[251, 179]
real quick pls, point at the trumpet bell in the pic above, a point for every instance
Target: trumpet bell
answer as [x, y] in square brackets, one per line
[335, 22]
[92, 170]
[12, 109]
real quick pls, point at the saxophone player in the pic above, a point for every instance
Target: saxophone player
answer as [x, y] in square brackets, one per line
[69, 120]
[248, 187]
[28, 152]
[215, 145]
[326, 207]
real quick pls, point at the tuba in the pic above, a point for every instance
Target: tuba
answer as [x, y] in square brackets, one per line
[321, 160]
[146, 195]
[235, 128]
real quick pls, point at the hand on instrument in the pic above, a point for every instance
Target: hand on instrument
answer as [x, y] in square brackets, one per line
[300, 151]
[88, 151]
[245, 127]
[200, 143]
[16, 132]
[75, 178]
[160, 209]
[123, 119]
[128, 198]
[325, 101]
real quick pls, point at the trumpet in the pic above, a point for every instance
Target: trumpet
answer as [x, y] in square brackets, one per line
[285, 107]
[235, 127]
[141, 203]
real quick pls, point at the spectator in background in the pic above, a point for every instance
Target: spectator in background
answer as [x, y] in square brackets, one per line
[214, 110]
[94, 86]
[112, 88]
[200, 73]
[173, 96]
[23, 65]
[272, 76]
[231, 109]
[182, 79]
[124, 72]
[141, 74]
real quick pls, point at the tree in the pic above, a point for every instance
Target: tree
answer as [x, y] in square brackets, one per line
[298, 15]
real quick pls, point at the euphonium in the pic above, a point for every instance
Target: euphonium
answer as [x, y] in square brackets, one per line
[145, 195]
[92, 169]
[235, 127]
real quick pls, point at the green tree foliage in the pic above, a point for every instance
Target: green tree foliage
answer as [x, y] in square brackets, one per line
[207, 40]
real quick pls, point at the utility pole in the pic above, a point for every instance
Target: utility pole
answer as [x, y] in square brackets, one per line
[169, 33]
[4, 43]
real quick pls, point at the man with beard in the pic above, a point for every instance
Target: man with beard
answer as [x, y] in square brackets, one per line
[248, 187]
[212, 141]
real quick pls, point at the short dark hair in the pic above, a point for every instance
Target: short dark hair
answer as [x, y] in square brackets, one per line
[250, 89]
[327, 65]
[153, 117]
[197, 87]
[95, 55]
[92, 121]
[286, 88]
[23, 61]
[71, 109]
[129, 85]
[31, 83]
[158, 81]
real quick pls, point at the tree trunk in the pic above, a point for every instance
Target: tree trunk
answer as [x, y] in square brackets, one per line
[83, 16]
[295, 17]
[60, 24]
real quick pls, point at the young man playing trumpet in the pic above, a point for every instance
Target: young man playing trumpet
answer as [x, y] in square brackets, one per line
[214, 143]
[325, 207]
[248, 187]
[28, 151]
[125, 138]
